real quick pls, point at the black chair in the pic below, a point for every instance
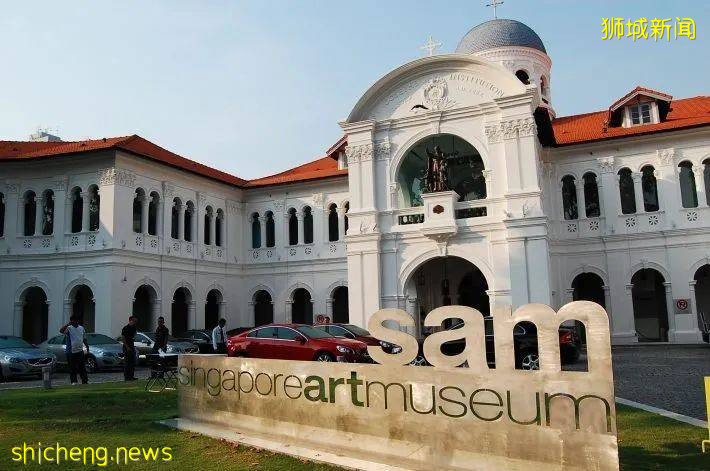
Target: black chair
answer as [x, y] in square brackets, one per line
[163, 372]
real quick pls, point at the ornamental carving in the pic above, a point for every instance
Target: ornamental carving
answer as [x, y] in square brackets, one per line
[382, 150]
[666, 156]
[279, 205]
[168, 189]
[116, 176]
[234, 207]
[12, 188]
[436, 95]
[511, 129]
[606, 164]
[318, 200]
[60, 184]
[359, 153]
[494, 133]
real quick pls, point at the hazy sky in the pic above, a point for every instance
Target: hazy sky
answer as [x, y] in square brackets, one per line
[256, 87]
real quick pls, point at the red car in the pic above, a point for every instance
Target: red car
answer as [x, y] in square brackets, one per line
[296, 342]
[354, 332]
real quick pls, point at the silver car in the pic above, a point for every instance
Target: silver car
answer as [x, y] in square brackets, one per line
[104, 352]
[20, 358]
[144, 342]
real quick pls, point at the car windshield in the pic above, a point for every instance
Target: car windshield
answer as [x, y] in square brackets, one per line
[99, 339]
[313, 333]
[150, 335]
[357, 330]
[13, 342]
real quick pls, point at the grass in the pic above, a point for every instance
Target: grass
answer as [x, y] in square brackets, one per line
[123, 415]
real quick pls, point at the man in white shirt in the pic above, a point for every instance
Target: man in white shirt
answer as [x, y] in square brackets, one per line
[219, 337]
[76, 340]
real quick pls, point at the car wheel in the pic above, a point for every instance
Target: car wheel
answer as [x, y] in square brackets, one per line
[530, 361]
[324, 356]
[91, 364]
[418, 361]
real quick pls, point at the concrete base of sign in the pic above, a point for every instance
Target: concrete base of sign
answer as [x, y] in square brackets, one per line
[264, 442]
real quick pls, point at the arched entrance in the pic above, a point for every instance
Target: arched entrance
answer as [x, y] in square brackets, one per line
[214, 300]
[144, 306]
[82, 299]
[301, 307]
[444, 281]
[702, 296]
[35, 315]
[180, 307]
[340, 305]
[649, 300]
[587, 287]
[263, 308]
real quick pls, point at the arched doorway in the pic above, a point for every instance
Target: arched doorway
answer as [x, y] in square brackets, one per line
[649, 300]
[444, 281]
[214, 300]
[144, 306]
[180, 307]
[587, 287]
[263, 308]
[82, 299]
[702, 296]
[340, 305]
[35, 315]
[301, 307]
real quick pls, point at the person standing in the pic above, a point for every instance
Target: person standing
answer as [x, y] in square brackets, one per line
[128, 335]
[161, 337]
[76, 340]
[219, 338]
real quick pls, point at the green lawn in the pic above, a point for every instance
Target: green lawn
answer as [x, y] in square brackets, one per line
[120, 415]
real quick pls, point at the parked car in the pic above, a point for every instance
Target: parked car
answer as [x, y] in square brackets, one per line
[20, 358]
[296, 342]
[200, 337]
[354, 332]
[144, 345]
[104, 352]
[524, 341]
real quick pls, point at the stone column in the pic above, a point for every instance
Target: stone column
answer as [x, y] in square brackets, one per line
[413, 311]
[213, 228]
[222, 310]
[145, 201]
[180, 221]
[700, 185]
[262, 230]
[192, 315]
[58, 227]
[609, 202]
[39, 212]
[341, 224]
[17, 319]
[68, 212]
[301, 239]
[159, 218]
[67, 311]
[285, 231]
[607, 306]
[638, 192]
[581, 202]
[157, 311]
[85, 196]
[671, 311]
[12, 209]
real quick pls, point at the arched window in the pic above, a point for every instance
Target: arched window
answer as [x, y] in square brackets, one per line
[138, 210]
[77, 207]
[686, 178]
[626, 192]
[333, 234]
[523, 76]
[175, 219]
[29, 213]
[292, 227]
[307, 225]
[47, 226]
[263, 308]
[569, 198]
[208, 225]
[153, 208]
[94, 208]
[706, 179]
[189, 212]
[650, 190]
[345, 217]
[270, 230]
[2, 215]
[218, 226]
[255, 231]
[591, 196]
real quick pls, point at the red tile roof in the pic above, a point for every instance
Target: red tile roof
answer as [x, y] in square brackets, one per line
[322, 168]
[684, 113]
[641, 91]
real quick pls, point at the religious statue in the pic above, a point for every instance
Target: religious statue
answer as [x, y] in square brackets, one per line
[437, 175]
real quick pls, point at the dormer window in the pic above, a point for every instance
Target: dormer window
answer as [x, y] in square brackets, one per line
[640, 114]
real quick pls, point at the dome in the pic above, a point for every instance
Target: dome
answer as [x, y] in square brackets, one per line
[499, 33]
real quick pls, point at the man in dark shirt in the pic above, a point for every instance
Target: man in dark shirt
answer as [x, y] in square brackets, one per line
[161, 337]
[128, 335]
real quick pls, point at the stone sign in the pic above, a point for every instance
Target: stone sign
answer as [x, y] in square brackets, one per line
[422, 417]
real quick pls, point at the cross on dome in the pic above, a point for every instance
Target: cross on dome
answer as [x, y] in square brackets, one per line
[495, 4]
[430, 46]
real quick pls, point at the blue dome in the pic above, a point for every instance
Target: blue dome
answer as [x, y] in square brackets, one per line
[499, 33]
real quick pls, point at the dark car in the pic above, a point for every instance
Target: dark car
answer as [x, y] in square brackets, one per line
[354, 332]
[524, 341]
[200, 337]
[296, 342]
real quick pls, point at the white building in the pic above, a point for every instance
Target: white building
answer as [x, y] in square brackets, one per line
[610, 206]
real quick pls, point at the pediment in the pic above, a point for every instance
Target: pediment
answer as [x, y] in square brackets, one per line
[436, 83]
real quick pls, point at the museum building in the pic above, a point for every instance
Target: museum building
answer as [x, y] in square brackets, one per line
[609, 206]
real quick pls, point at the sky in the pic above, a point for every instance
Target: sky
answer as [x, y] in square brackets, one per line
[256, 87]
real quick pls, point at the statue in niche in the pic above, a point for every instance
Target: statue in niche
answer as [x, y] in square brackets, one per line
[437, 175]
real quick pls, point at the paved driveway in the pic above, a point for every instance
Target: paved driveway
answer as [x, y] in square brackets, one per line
[666, 376]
